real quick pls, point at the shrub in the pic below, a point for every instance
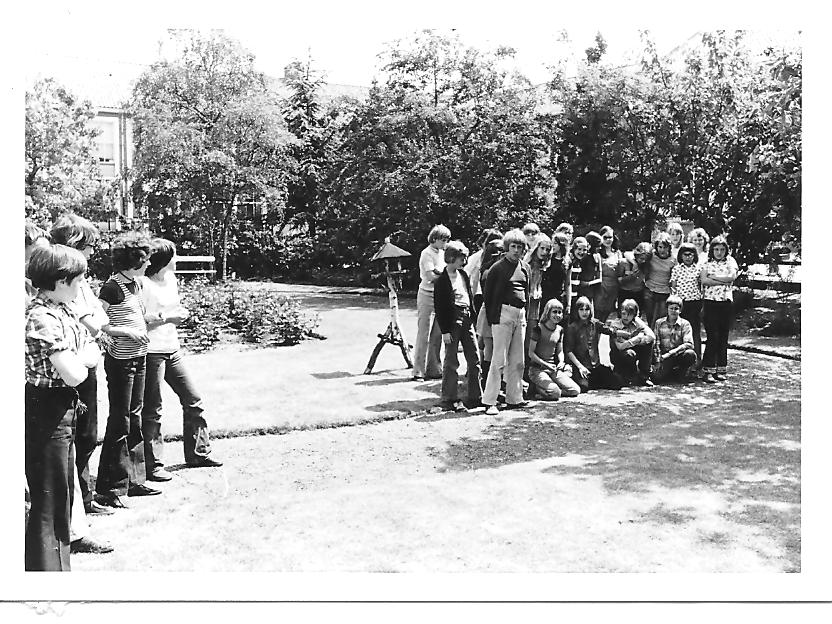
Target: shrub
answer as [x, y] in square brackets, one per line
[257, 315]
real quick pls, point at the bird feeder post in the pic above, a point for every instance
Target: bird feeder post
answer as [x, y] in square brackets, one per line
[389, 256]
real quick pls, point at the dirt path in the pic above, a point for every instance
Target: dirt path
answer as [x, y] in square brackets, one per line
[680, 478]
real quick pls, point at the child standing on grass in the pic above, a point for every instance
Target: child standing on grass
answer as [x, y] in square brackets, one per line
[121, 468]
[657, 279]
[717, 275]
[578, 253]
[631, 272]
[505, 294]
[79, 233]
[58, 358]
[426, 360]
[163, 312]
[453, 301]
[686, 283]
[589, 284]
[492, 253]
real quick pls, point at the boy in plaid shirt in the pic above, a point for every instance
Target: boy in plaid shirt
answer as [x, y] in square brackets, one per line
[58, 356]
[674, 352]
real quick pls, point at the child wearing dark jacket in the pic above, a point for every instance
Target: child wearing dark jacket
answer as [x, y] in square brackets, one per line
[453, 302]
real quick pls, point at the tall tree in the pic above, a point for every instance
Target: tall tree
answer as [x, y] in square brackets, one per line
[448, 136]
[61, 172]
[209, 136]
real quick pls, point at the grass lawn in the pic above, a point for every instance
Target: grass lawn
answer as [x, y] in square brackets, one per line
[689, 478]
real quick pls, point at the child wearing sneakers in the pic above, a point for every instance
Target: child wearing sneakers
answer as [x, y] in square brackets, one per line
[163, 312]
[453, 301]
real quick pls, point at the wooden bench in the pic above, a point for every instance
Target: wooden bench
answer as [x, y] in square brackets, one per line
[195, 260]
[783, 276]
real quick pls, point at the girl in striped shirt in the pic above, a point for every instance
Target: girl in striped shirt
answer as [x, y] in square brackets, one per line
[121, 468]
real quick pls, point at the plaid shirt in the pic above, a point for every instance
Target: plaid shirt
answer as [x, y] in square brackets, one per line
[668, 336]
[50, 327]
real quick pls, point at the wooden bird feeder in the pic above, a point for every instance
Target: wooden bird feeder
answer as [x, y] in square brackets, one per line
[388, 259]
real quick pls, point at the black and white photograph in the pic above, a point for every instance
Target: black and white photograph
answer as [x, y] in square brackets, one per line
[463, 293]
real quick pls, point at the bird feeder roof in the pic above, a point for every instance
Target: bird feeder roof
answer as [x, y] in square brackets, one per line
[387, 251]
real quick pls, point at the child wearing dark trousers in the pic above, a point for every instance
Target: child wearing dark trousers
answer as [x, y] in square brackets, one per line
[581, 349]
[717, 276]
[631, 346]
[121, 467]
[57, 359]
[453, 303]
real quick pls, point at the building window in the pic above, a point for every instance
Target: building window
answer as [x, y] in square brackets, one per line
[106, 148]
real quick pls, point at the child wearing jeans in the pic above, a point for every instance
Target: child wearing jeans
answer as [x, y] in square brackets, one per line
[163, 312]
[58, 358]
[631, 349]
[121, 468]
[674, 352]
[453, 302]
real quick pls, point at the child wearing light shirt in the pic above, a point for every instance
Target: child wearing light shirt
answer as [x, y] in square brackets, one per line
[163, 312]
[426, 361]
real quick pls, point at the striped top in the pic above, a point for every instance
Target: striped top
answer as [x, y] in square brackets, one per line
[126, 309]
[50, 327]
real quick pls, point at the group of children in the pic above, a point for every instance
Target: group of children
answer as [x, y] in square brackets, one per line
[529, 310]
[133, 320]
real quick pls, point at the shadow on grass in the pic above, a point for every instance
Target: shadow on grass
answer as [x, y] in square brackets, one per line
[417, 405]
[335, 375]
[384, 382]
[740, 440]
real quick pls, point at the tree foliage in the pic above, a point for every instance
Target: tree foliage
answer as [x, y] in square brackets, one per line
[448, 136]
[209, 136]
[61, 172]
[714, 139]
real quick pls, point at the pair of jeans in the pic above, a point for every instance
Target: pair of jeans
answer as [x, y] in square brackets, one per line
[675, 366]
[171, 368]
[551, 386]
[121, 464]
[654, 306]
[717, 320]
[508, 359]
[692, 312]
[50, 475]
[631, 362]
[86, 432]
[462, 332]
[428, 338]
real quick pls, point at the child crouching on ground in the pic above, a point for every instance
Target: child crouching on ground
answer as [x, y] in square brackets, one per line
[549, 375]
[631, 350]
[674, 351]
[453, 302]
[58, 358]
[581, 348]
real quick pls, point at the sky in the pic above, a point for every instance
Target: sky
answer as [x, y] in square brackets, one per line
[84, 43]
